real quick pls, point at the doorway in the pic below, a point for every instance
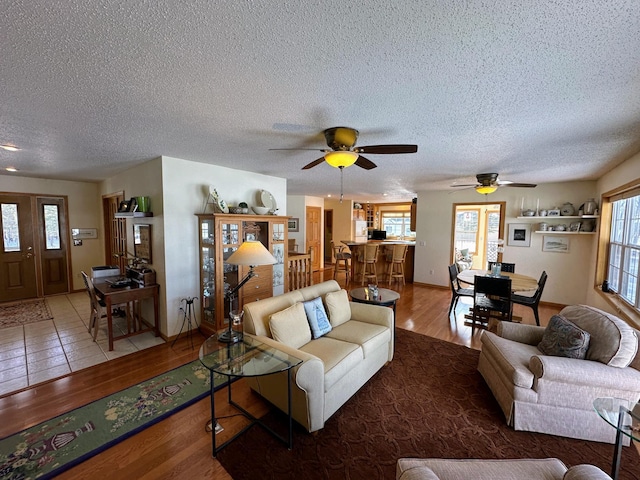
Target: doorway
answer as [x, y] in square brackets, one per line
[328, 236]
[478, 232]
[34, 258]
[115, 243]
[313, 229]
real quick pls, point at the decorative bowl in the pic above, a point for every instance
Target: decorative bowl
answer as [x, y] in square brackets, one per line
[237, 210]
[260, 210]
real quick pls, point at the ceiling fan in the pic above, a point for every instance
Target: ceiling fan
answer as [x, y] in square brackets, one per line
[489, 183]
[343, 152]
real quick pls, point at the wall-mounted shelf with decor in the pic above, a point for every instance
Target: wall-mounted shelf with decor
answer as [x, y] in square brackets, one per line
[555, 217]
[553, 232]
[132, 214]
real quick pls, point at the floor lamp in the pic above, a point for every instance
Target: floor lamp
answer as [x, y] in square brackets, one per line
[251, 253]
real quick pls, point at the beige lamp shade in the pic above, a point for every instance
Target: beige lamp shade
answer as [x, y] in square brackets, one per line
[341, 159]
[251, 252]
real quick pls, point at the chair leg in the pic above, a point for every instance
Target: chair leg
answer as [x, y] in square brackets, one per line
[454, 302]
[535, 314]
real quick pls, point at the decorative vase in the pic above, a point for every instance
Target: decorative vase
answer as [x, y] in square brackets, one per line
[589, 207]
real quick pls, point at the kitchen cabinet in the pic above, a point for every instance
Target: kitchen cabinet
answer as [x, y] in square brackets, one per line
[219, 236]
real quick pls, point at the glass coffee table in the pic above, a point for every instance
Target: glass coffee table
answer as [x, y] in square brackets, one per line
[624, 416]
[246, 358]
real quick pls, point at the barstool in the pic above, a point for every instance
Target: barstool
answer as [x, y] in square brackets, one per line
[369, 260]
[395, 261]
[340, 256]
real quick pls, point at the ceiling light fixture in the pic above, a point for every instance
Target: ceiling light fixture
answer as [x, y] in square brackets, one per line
[486, 189]
[11, 169]
[9, 148]
[341, 159]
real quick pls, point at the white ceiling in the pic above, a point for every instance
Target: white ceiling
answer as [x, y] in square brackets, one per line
[537, 91]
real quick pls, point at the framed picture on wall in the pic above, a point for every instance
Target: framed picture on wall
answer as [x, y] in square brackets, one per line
[519, 235]
[555, 243]
[293, 225]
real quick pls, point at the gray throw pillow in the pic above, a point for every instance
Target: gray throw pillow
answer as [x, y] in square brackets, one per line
[563, 338]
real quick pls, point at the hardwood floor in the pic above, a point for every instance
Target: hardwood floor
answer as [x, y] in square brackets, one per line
[179, 447]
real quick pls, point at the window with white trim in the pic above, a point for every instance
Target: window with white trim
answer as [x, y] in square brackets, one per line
[624, 247]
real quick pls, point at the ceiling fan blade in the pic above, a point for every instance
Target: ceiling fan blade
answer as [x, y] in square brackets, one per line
[311, 149]
[465, 185]
[523, 185]
[387, 149]
[365, 163]
[313, 164]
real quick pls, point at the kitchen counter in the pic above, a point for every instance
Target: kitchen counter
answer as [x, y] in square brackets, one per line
[381, 264]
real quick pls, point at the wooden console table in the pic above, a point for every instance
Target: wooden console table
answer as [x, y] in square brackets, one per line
[132, 294]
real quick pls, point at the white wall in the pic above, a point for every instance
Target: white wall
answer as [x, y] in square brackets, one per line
[569, 277]
[84, 212]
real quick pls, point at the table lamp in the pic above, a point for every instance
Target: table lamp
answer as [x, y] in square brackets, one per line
[251, 253]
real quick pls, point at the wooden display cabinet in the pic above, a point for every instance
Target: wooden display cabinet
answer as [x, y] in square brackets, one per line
[219, 236]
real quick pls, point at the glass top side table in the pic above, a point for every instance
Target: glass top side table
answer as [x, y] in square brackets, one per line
[624, 416]
[246, 358]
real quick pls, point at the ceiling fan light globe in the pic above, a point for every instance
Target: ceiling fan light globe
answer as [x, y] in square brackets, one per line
[341, 159]
[486, 189]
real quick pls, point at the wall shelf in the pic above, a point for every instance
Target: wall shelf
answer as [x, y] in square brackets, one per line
[556, 217]
[132, 214]
[553, 232]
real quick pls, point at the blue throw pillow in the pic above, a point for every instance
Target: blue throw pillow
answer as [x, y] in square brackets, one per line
[563, 338]
[317, 317]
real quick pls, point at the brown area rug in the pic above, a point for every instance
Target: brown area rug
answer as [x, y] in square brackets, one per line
[429, 402]
[23, 313]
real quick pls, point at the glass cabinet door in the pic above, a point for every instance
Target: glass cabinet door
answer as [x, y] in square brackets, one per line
[208, 272]
[279, 252]
[230, 235]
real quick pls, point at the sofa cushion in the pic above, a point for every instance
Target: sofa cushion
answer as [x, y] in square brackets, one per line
[368, 335]
[562, 338]
[613, 342]
[290, 326]
[338, 357]
[338, 307]
[317, 317]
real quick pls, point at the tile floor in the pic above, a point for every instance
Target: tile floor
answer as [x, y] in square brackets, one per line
[41, 351]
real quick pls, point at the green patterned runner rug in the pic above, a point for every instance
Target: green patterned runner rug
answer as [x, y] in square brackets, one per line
[53, 446]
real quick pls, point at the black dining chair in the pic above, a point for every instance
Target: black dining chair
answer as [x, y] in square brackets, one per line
[534, 300]
[492, 298]
[456, 290]
[505, 267]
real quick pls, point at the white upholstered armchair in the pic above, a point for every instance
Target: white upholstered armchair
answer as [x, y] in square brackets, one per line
[548, 392]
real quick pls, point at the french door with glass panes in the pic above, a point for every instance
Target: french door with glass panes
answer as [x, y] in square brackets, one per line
[34, 256]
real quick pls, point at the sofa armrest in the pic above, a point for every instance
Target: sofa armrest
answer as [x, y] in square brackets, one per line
[364, 312]
[520, 332]
[309, 375]
[580, 472]
[584, 372]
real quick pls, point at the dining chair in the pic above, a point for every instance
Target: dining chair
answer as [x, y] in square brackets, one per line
[534, 300]
[340, 256]
[456, 290]
[505, 267]
[491, 299]
[97, 306]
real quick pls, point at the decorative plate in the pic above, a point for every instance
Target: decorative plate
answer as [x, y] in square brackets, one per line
[267, 200]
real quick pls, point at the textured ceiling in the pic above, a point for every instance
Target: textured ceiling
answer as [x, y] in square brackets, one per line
[537, 91]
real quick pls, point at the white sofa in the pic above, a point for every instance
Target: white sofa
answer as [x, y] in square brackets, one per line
[551, 394]
[511, 469]
[336, 364]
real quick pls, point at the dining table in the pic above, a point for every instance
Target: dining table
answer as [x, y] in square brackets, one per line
[519, 282]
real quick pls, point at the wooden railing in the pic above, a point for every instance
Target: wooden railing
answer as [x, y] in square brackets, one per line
[299, 270]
